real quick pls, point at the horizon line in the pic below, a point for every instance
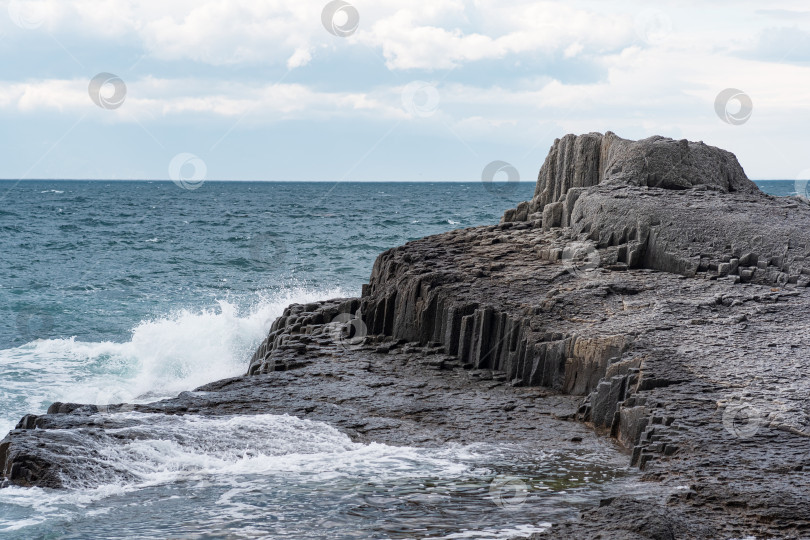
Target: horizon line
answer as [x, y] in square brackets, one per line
[304, 181]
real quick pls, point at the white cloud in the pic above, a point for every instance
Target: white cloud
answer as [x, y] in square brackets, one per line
[153, 98]
[216, 32]
[410, 39]
[422, 34]
[657, 85]
[300, 57]
[53, 94]
[662, 79]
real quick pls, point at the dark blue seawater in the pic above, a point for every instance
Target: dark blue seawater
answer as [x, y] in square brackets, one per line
[90, 258]
[132, 291]
[783, 188]
[119, 291]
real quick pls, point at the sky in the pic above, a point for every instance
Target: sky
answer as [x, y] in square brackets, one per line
[424, 90]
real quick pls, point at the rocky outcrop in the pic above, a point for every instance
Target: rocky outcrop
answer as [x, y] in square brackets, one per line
[667, 205]
[588, 160]
[642, 276]
[648, 290]
[373, 388]
[302, 328]
[405, 303]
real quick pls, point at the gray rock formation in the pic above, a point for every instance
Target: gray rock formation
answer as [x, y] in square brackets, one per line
[587, 160]
[656, 281]
[674, 206]
[648, 290]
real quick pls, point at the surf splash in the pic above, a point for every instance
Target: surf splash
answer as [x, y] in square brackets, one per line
[253, 476]
[196, 456]
[163, 357]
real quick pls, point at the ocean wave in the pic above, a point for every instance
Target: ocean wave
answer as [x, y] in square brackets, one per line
[521, 531]
[234, 456]
[164, 356]
[158, 449]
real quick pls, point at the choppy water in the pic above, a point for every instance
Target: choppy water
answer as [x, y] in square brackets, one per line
[132, 291]
[282, 477]
[118, 290]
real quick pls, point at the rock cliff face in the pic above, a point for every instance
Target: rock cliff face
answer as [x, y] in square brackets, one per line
[653, 279]
[674, 206]
[648, 289]
[587, 160]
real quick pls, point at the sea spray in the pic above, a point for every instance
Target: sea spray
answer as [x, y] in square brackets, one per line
[262, 476]
[164, 356]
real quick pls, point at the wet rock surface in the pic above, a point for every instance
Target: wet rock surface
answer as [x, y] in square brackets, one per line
[389, 392]
[648, 293]
[702, 378]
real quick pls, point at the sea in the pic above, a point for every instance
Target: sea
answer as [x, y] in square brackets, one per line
[133, 291]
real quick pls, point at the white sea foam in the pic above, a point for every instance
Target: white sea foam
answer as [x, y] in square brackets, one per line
[231, 452]
[495, 534]
[164, 356]
[166, 448]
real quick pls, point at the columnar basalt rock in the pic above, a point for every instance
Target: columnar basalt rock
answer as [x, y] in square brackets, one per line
[301, 329]
[673, 206]
[648, 286]
[588, 160]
